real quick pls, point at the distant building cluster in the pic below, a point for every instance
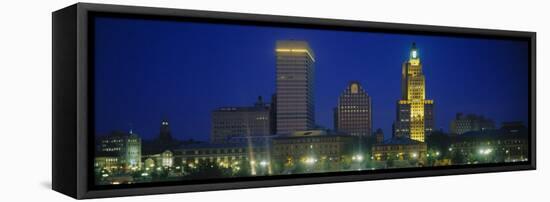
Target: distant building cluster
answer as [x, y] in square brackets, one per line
[281, 137]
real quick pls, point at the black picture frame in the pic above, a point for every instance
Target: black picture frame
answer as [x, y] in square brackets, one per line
[72, 100]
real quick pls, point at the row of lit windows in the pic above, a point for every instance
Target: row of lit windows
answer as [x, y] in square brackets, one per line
[112, 149]
[353, 111]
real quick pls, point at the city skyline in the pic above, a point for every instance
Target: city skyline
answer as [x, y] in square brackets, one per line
[142, 113]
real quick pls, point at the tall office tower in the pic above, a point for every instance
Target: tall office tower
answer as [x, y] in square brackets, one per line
[295, 91]
[415, 118]
[353, 114]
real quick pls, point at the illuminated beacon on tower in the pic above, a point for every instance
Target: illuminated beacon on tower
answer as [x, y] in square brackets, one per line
[414, 112]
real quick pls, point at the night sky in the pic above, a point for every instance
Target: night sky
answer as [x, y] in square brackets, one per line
[147, 70]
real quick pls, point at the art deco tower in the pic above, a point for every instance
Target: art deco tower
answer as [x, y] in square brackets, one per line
[414, 112]
[295, 107]
[353, 114]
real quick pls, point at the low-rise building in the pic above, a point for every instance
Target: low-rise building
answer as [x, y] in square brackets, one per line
[508, 144]
[255, 156]
[399, 148]
[471, 122]
[312, 146]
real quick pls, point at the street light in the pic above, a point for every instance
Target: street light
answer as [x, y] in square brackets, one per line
[310, 160]
[357, 157]
[485, 151]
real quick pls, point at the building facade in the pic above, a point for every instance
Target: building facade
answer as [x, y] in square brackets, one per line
[471, 122]
[399, 148]
[353, 114]
[491, 146]
[294, 86]
[311, 147]
[232, 122]
[415, 117]
[255, 156]
[119, 151]
[164, 160]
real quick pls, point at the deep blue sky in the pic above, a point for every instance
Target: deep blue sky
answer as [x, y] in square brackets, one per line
[146, 70]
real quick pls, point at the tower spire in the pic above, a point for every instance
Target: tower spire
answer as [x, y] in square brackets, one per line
[414, 51]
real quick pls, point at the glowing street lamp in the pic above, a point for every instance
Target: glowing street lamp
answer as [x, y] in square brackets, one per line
[485, 151]
[357, 157]
[310, 160]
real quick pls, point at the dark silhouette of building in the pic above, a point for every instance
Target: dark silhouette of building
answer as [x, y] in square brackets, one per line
[238, 122]
[471, 122]
[379, 136]
[165, 135]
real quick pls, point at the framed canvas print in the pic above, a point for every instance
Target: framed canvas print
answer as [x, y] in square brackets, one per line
[154, 100]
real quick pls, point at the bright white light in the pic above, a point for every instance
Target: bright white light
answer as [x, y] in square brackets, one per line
[144, 174]
[437, 153]
[310, 160]
[357, 157]
[263, 163]
[485, 151]
[414, 54]
[414, 155]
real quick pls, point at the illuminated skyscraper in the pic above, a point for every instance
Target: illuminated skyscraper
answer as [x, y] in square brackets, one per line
[295, 80]
[353, 114]
[415, 118]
